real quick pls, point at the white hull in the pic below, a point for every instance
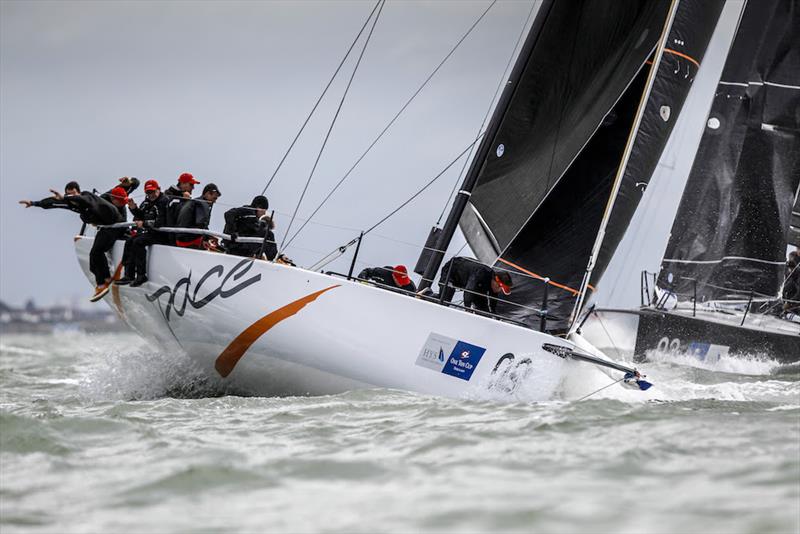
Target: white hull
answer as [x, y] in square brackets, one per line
[270, 329]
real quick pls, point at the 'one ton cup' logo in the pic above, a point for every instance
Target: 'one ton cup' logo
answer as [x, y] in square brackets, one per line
[450, 356]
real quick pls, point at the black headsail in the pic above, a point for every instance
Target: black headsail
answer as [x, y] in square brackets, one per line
[732, 226]
[541, 193]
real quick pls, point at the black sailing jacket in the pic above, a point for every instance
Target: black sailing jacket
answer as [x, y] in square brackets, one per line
[195, 213]
[244, 222]
[152, 212]
[475, 279]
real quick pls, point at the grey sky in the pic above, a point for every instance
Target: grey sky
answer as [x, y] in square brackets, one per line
[97, 90]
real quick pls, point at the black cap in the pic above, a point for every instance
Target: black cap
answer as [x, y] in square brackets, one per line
[260, 202]
[211, 188]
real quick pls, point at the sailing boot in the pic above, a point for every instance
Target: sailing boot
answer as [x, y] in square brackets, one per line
[100, 291]
[139, 281]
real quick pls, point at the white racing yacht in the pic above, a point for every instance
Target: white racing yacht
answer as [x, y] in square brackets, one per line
[531, 202]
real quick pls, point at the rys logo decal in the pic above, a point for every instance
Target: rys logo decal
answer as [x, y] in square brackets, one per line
[450, 356]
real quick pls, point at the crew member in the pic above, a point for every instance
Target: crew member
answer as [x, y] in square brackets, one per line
[148, 216]
[196, 213]
[481, 284]
[100, 210]
[392, 278]
[57, 199]
[177, 195]
[251, 221]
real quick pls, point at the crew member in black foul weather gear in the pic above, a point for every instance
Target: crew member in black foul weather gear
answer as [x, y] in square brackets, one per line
[105, 238]
[84, 203]
[177, 195]
[196, 213]
[150, 215]
[57, 200]
[251, 221]
[392, 278]
[481, 284]
[99, 210]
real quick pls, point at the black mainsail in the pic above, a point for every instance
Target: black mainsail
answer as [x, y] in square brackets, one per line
[541, 194]
[731, 230]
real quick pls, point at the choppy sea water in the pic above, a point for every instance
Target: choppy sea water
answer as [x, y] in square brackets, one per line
[100, 433]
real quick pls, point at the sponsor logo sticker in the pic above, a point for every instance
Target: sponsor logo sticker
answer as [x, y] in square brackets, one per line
[450, 356]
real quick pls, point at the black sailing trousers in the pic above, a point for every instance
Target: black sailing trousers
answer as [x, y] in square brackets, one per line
[135, 255]
[103, 242]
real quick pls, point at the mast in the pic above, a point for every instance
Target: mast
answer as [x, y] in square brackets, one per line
[623, 165]
[471, 178]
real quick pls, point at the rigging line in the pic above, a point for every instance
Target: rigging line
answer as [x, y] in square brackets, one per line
[426, 186]
[394, 119]
[601, 389]
[608, 334]
[342, 248]
[308, 118]
[491, 107]
[333, 123]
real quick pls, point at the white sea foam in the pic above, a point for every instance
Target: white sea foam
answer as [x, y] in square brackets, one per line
[754, 365]
[139, 373]
[12, 349]
[526, 379]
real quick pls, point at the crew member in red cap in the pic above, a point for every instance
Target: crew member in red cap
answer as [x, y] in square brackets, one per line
[177, 195]
[151, 214]
[100, 210]
[482, 285]
[392, 278]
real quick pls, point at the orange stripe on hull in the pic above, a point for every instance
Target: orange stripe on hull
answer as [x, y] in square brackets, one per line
[234, 352]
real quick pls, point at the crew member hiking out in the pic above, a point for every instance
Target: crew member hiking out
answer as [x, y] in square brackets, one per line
[391, 278]
[481, 285]
[196, 213]
[99, 210]
[251, 221]
[72, 189]
[148, 216]
[57, 200]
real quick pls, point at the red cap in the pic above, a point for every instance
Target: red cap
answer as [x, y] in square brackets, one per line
[187, 178]
[119, 193]
[400, 275]
[151, 185]
[503, 287]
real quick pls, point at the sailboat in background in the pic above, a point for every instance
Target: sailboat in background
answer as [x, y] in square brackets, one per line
[718, 290]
